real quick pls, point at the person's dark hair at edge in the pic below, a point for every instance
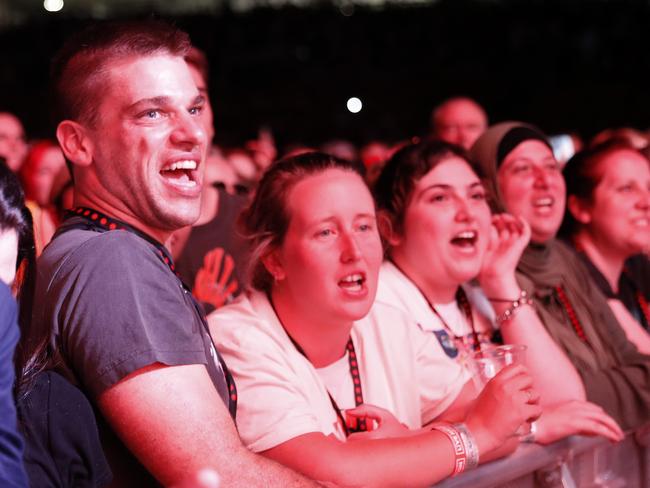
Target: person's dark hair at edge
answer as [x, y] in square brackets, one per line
[266, 220]
[394, 187]
[31, 354]
[582, 174]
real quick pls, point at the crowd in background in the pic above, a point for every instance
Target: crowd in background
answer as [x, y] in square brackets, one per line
[347, 289]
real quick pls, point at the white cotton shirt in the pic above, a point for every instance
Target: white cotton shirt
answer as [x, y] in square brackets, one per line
[397, 290]
[281, 395]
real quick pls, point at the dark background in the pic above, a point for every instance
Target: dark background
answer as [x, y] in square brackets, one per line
[566, 66]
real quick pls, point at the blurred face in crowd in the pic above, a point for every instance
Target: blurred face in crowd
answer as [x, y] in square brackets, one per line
[41, 167]
[617, 219]
[8, 255]
[329, 261]
[446, 226]
[459, 121]
[532, 187]
[13, 146]
[144, 158]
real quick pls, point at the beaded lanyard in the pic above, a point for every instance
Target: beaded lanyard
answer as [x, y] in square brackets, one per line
[356, 380]
[95, 219]
[571, 313]
[463, 303]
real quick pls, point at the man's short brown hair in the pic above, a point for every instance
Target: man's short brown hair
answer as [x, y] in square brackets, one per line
[79, 69]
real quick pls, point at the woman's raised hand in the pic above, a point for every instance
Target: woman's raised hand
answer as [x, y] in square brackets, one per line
[509, 237]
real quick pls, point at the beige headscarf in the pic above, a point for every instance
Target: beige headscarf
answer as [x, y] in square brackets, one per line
[485, 152]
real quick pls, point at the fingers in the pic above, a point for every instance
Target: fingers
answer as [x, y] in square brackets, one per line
[509, 227]
[231, 288]
[606, 425]
[212, 263]
[369, 411]
[532, 412]
[596, 413]
[226, 269]
[598, 426]
[530, 396]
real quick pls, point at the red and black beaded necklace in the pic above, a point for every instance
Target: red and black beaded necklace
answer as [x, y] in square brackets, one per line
[361, 425]
[571, 313]
[94, 220]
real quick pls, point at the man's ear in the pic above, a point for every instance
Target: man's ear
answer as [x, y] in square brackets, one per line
[273, 265]
[75, 143]
[387, 229]
[578, 209]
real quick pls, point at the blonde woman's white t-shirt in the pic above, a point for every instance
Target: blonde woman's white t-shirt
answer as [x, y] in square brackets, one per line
[281, 395]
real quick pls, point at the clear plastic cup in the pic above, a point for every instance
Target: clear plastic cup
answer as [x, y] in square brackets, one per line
[490, 360]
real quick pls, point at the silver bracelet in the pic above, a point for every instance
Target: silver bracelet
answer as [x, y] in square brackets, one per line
[515, 305]
[470, 446]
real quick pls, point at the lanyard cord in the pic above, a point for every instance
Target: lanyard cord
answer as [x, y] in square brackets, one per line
[571, 313]
[463, 303]
[97, 220]
[356, 381]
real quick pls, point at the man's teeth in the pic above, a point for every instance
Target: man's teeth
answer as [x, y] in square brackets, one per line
[469, 234]
[187, 164]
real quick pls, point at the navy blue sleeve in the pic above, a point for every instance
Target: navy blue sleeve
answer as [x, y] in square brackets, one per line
[12, 472]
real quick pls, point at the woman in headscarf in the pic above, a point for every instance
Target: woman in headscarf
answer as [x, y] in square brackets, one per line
[524, 179]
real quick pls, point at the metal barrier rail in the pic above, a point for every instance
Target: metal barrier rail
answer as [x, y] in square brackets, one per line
[574, 462]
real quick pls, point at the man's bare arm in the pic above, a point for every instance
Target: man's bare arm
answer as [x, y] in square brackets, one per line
[175, 423]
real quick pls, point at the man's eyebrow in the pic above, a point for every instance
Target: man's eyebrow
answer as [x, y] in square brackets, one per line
[155, 101]
[161, 101]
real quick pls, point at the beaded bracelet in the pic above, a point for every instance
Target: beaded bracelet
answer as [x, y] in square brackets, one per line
[465, 450]
[515, 305]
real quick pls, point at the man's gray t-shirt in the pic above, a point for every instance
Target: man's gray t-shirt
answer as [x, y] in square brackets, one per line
[114, 307]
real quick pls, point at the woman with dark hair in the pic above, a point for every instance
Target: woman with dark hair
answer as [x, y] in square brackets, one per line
[314, 364]
[62, 446]
[441, 235]
[19, 272]
[608, 222]
[524, 179]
